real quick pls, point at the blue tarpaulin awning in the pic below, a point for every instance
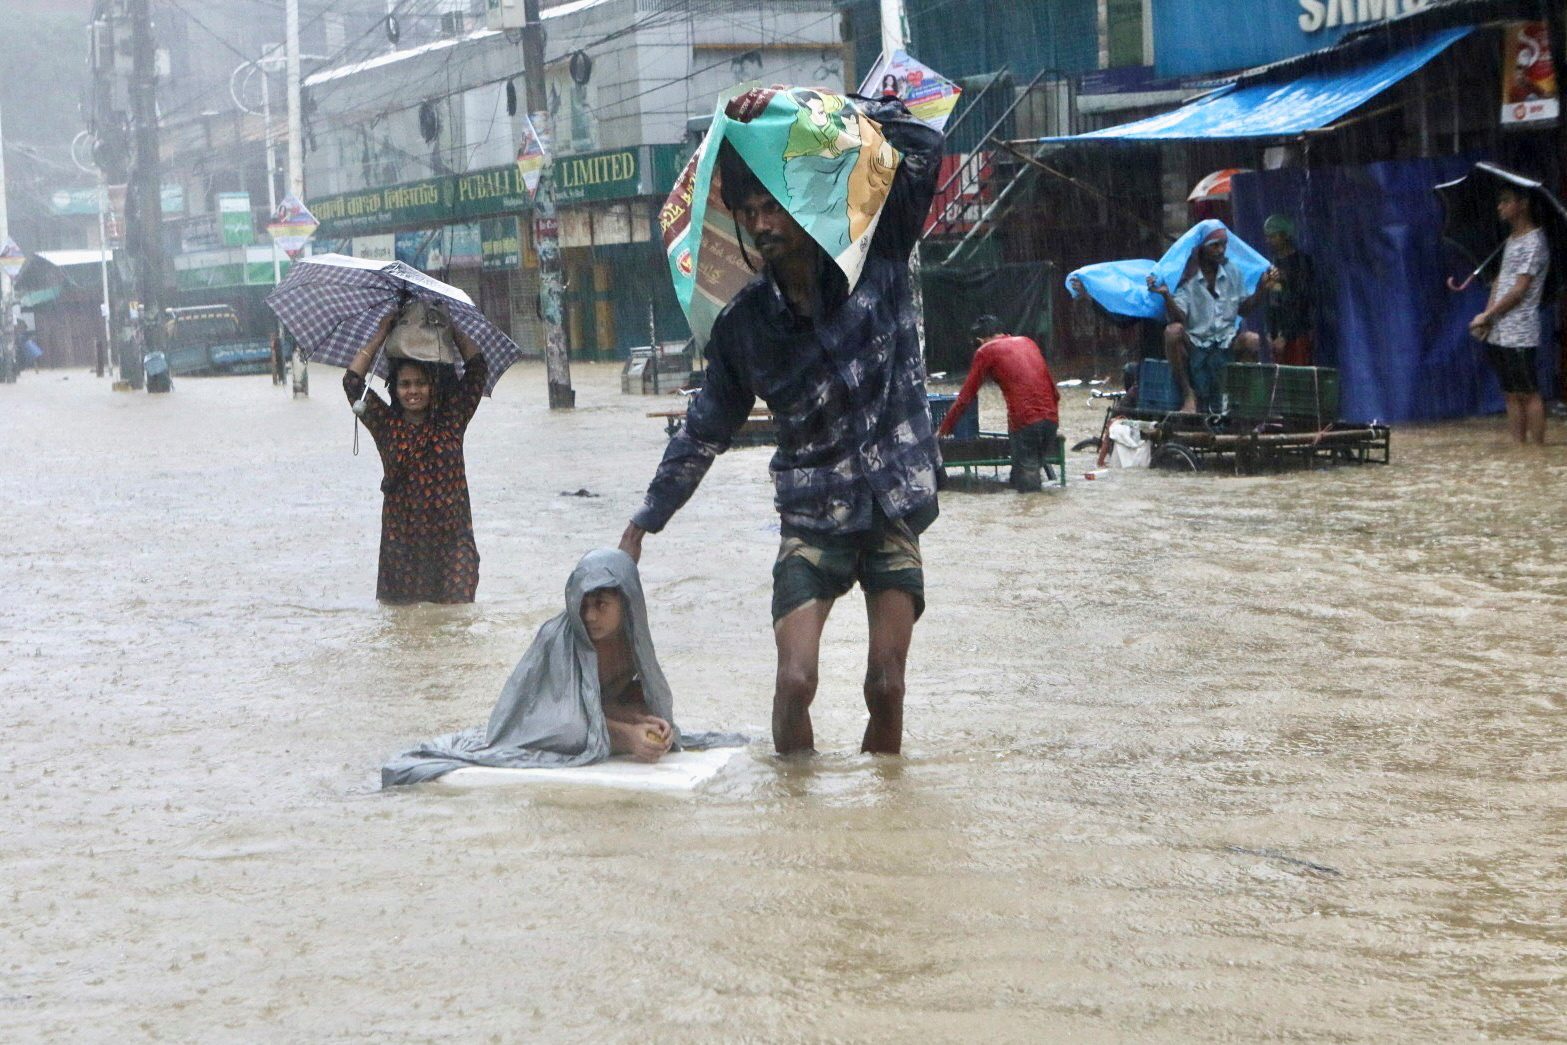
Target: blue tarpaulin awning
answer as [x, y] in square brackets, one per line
[1278, 110]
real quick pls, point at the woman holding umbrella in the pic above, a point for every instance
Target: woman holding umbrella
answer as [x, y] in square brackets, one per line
[427, 548]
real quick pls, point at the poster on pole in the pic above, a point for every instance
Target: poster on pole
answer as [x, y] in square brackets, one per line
[1528, 74]
[12, 258]
[930, 96]
[235, 223]
[530, 158]
[292, 226]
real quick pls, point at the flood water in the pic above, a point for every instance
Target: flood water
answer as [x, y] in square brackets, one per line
[1188, 757]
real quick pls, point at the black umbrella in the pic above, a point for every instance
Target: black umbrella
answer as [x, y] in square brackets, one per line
[1472, 227]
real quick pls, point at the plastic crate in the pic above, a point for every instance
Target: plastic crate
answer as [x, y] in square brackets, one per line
[1157, 388]
[1259, 390]
[967, 426]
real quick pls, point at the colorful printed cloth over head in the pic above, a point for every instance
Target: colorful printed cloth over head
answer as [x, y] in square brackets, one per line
[823, 160]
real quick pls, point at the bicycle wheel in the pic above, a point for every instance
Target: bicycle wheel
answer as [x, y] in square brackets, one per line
[1175, 457]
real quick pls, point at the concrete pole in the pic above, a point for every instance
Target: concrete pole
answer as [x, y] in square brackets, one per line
[296, 170]
[546, 227]
[894, 37]
[147, 190]
[8, 360]
[266, 119]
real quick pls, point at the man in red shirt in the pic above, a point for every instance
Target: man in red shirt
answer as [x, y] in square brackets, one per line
[1018, 366]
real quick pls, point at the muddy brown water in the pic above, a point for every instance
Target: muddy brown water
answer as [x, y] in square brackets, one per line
[1188, 757]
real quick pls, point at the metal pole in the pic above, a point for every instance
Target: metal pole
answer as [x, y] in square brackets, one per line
[546, 227]
[8, 360]
[296, 173]
[652, 338]
[147, 190]
[103, 266]
[894, 37]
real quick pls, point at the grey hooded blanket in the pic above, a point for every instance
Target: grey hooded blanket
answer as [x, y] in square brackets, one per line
[550, 712]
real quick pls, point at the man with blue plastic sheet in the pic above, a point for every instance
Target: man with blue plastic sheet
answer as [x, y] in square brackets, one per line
[827, 337]
[1205, 309]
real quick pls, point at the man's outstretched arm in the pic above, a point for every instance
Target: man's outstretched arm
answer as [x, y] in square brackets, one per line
[714, 416]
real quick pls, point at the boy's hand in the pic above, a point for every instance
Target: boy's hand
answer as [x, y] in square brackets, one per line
[649, 742]
[656, 727]
[631, 541]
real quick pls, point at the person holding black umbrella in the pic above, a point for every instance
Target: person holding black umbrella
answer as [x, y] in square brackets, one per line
[428, 552]
[1510, 324]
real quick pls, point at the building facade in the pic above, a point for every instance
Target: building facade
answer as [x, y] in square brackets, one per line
[411, 154]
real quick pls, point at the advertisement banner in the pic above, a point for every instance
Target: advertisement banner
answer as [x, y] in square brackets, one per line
[1528, 74]
[292, 226]
[530, 158]
[11, 258]
[424, 249]
[464, 245]
[376, 248]
[235, 224]
[930, 96]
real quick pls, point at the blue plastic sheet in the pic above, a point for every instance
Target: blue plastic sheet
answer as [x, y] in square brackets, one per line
[1398, 336]
[1274, 110]
[1121, 287]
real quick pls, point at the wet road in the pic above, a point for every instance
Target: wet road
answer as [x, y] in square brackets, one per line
[1188, 757]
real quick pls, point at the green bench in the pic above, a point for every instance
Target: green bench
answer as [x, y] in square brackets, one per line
[993, 450]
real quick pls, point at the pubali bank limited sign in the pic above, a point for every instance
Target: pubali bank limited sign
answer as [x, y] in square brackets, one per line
[1193, 37]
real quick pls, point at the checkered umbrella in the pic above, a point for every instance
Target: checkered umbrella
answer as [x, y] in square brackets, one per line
[332, 304]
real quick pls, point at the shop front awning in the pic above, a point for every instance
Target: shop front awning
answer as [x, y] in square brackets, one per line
[1281, 109]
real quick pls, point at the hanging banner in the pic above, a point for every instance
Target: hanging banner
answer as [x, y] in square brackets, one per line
[930, 96]
[530, 158]
[1528, 74]
[11, 258]
[292, 226]
[235, 223]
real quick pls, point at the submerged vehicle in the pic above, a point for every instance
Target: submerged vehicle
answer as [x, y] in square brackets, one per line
[206, 340]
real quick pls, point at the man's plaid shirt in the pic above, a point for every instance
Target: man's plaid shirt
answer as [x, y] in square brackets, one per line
[847, 391]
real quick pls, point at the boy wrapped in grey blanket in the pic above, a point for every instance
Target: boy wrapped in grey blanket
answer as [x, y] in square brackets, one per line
[588, 687]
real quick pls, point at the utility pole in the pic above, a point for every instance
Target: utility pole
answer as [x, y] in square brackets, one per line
[546, 227]
[146, 193]
[8, 360]
[298, 369]
[894, 37]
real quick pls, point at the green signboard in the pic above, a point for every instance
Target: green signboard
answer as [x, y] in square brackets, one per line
[431, 201]
[501, 243]
[237, 226]
[85, 201]
[615, 174]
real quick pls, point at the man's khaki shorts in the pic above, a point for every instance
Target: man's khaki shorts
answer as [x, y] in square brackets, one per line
[821, 566]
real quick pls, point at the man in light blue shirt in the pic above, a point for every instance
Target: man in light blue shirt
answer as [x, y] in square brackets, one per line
[1204, 332]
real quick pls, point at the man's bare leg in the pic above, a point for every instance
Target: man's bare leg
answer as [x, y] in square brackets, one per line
[799, 639]
[1515, 417]
[891, 617]
[1175, 352]
[1534, 418]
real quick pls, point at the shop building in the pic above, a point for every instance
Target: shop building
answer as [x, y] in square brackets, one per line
[411, 155]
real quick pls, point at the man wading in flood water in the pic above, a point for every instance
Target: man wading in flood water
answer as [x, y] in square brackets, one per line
[840, 369]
